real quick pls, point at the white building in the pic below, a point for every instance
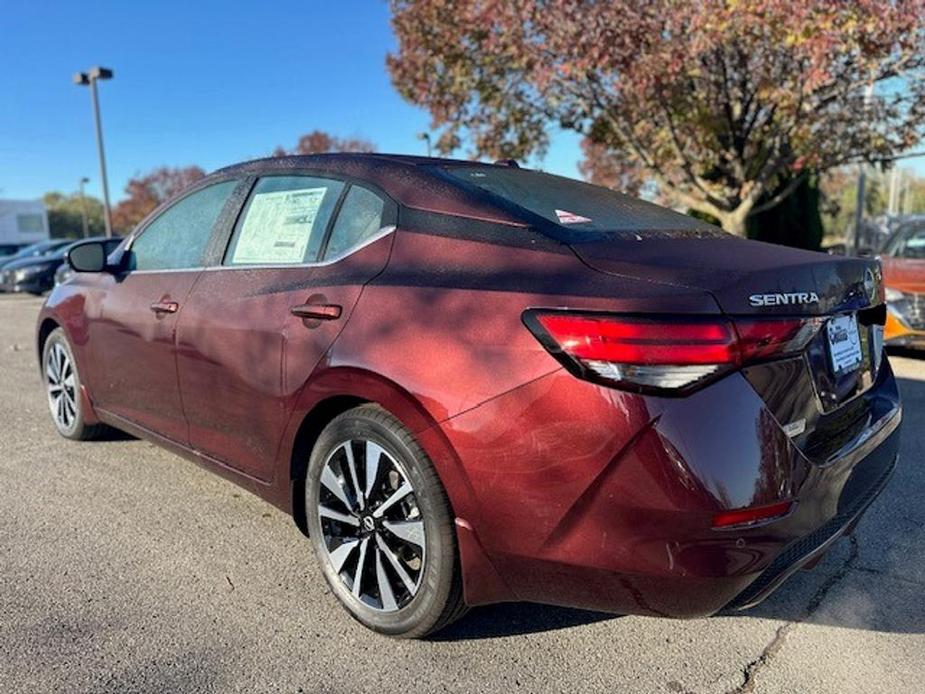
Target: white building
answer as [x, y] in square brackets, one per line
[23, 222]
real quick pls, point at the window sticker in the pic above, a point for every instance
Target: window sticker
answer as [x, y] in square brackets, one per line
[570, 217]
[277, 226]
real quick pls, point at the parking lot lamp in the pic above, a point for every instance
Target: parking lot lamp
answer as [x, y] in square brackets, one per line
[89, 79]
[83, 205]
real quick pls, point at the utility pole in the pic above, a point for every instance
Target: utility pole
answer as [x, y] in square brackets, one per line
[83, 206]
[90, 78]
[894, 190]
[862, 181]
[859, 208]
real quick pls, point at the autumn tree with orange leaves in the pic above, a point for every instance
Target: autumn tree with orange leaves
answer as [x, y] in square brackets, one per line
[320, 142]
[144, 193]
[726, 105]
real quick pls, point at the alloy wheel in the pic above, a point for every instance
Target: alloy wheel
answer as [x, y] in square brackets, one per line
[62, 393]
[372, 527]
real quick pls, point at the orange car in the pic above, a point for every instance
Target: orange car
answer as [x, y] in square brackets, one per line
[904, 278]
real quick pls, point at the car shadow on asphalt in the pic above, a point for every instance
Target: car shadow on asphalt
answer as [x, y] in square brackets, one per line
[514, 619]
[110, 434]
[907, 353]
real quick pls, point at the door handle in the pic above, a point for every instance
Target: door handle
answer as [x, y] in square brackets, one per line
[317, 311]
[165, 307]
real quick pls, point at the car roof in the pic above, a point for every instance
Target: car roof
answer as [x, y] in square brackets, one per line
[411, 181]
[394, 163]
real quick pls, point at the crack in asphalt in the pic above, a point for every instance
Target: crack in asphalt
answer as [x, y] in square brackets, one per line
[888, 574]
[752, 669]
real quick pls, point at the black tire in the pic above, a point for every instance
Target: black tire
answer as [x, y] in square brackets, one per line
[438, 599]
[72, 425]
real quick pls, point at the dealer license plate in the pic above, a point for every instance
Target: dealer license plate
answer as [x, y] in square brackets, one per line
[844, 343]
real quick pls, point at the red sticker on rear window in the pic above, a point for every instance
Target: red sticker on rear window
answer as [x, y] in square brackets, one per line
[570, 217]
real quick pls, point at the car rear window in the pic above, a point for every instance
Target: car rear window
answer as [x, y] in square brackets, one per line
[574, 205]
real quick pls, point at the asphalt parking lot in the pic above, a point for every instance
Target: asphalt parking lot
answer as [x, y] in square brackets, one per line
[124, 568]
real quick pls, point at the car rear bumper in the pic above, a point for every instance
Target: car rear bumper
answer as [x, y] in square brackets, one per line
[804, 551]
[591, 498]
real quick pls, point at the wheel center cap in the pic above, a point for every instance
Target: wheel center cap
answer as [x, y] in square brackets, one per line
[369, 523]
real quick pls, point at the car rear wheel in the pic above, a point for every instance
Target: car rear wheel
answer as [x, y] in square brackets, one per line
[62, 385]
[381, 525]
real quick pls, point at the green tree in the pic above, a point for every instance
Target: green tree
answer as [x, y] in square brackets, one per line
[795, 221]
[839, 188]
[65, 212]
[729, 106]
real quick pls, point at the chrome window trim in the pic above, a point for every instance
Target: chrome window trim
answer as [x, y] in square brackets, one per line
[382, 233]
[199, 268]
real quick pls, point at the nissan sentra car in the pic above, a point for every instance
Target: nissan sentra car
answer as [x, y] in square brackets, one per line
[472, 383]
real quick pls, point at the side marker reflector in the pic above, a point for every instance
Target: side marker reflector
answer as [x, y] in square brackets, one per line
[753, 514]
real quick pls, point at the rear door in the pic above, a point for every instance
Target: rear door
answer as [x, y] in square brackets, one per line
[133, 334]
[257, 324]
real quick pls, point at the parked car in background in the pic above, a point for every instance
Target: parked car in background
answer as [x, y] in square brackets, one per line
[35, 250]
[9, 249]
[903, 260]
[473, 383]
[35, 274]
[65, 271]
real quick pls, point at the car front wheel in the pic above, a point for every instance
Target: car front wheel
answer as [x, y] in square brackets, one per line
[380, 523]
[62, 385]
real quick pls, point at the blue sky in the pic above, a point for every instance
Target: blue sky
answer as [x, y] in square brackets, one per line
[206, 83]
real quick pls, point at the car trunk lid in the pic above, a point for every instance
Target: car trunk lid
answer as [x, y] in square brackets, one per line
[745, 277]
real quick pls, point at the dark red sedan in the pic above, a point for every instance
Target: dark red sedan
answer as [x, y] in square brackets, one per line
[472, 383]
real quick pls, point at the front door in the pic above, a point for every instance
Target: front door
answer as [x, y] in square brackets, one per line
[255, 328]
[134, 334]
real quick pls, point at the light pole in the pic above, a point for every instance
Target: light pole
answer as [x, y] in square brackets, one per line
[83, 206]
[90, 78]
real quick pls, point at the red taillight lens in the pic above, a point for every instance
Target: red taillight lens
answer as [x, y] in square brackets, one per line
[641, 341]
[753, 514]
[664, 355]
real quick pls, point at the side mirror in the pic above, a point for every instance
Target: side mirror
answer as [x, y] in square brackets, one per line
[88, 257]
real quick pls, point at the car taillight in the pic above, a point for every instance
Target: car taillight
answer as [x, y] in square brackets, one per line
[665, 355]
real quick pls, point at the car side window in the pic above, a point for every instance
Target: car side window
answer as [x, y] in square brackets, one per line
[359, 219]
[177, 238]
[284, 221]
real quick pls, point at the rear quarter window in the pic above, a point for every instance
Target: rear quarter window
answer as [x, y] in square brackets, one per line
[359, 219]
